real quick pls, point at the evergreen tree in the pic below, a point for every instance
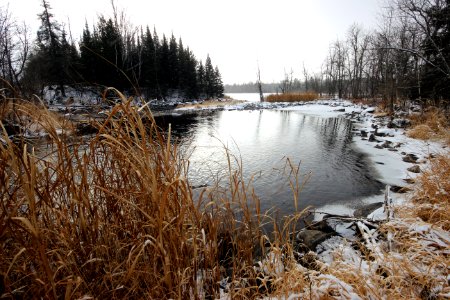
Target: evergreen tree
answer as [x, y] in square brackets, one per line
[190, 75]
[163, 68]
[51, 55]
[436, 73]
[201, 80]
[209, 78]
[111, 51]
[218, 84]
[149, 65]
[88, 59]
[173, 64]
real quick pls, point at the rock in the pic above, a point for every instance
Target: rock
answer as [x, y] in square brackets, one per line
[379, 162]
[393, 149]
[340, 110]
[370, 110]
[366, 210]
[409, 180]
[378, 146]
[311, 261]
[410, 158]
[399, 189]
[84, 128]
[381, 134]
[321, 226]
[372, 138]
[363, 133]
[387, 144]
[400, 123]
[311, 238]
[414, 169]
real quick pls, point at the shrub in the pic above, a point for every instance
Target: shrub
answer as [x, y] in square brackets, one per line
[292, 97]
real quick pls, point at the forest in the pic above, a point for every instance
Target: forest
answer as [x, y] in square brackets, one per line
[111, 53]
[407, 57]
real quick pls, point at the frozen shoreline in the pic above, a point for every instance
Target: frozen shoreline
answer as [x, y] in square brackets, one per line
[387, 164]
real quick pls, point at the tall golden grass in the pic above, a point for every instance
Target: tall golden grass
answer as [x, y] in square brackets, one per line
[432, 199]
[292, 97]
[432, 124]
[115, 217]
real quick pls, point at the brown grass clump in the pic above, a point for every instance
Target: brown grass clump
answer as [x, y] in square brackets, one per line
[432, 198]
[114, 217]
[292, 97]
[433, 124]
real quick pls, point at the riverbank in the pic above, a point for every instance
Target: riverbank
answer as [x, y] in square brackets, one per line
[114, 216]
[399, 251]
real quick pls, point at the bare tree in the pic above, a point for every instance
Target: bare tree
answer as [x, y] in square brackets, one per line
[358, 43]
[286, 85]
[14, 51]
[259, 85]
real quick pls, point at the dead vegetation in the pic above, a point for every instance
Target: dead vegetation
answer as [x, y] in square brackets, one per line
[115, 217]
[292, 97]
[433, 124]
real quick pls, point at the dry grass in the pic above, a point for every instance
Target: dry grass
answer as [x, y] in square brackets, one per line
[432, 197]
[115, 217]
[434, 124]
[292, 97]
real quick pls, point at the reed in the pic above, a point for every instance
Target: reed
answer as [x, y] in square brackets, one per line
[114, 216]
[292, 97]
[432, 124]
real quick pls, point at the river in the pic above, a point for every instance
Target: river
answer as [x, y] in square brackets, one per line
[263, 140]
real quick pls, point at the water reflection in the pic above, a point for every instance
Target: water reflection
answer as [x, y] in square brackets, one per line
[263, 139]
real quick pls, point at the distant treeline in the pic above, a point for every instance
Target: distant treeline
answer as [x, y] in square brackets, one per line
[112, 53]
[251, 87]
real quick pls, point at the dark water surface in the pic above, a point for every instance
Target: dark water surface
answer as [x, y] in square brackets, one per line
[264, 139]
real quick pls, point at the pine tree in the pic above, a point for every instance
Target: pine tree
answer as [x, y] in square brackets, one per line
[88, 59]
[173, 66]
[111, 51]
[163, 68]
[51, 54]
[190, 75]
[201, 81]
[209, 78]
[218, 84]
[149, 64]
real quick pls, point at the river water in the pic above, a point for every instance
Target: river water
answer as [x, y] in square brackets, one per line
[263, 140]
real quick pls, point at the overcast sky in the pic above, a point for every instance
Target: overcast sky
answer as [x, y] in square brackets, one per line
[279, 34]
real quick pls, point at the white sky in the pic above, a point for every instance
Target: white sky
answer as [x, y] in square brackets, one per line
[280, 34]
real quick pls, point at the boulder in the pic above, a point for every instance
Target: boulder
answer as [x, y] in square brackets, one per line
[372, 138]
[311, 238]
[363, 133]
[387, 144]
[410, 158]
[414, 169]
[399, 189]
[366, 210]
